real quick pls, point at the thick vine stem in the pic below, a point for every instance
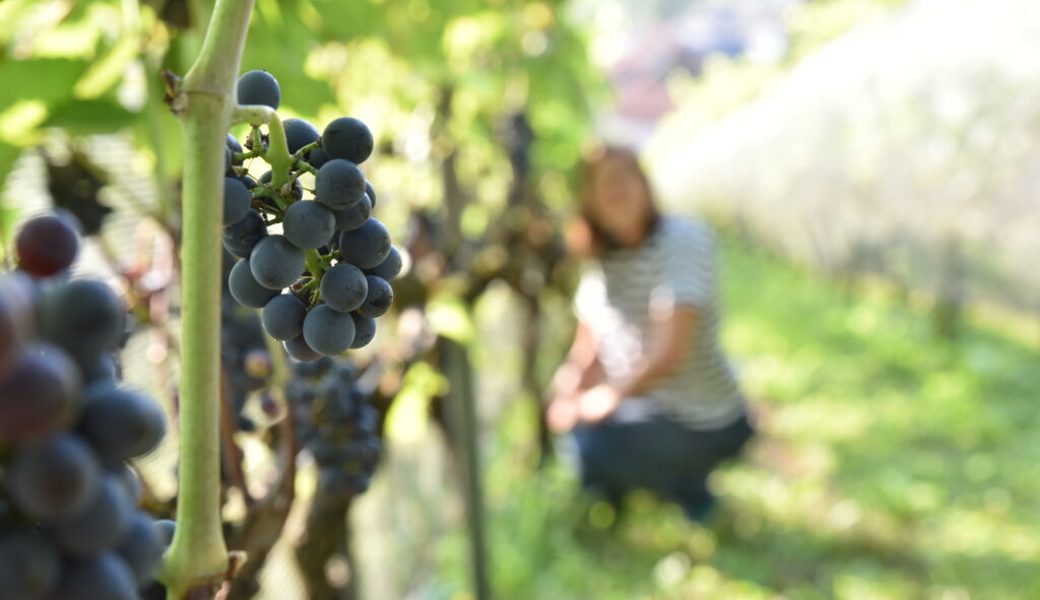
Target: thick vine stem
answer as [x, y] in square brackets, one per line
[197, 560]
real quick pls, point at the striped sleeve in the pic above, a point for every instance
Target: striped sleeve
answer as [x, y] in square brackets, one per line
[687, 269]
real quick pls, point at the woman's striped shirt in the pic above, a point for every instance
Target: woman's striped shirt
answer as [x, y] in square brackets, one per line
[616, 296]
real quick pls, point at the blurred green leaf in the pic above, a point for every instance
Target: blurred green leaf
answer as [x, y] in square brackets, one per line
[83, 117]
[46, 79]
[107, 71]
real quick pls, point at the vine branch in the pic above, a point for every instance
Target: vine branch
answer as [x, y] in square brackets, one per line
[197, 560]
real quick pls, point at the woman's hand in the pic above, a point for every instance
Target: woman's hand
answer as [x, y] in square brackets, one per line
[562, 414]
[598, 403]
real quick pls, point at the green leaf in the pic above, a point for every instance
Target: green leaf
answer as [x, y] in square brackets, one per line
[47, 79]
[89, 116]
[109, 70]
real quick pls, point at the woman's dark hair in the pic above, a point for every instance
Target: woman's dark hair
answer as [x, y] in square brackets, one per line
[588, 237]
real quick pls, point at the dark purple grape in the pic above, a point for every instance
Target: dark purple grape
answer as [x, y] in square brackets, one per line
[390, 268]
[351, 218]
[299, 133]
[339, 184]
[245, 289]
[327, 330]
[308, 224]
[39, 394]
[100, 527]
[276, 263]
[237, 200]
[241, 237]
[30, 566]
[366, 246]
[141, 549]
[380, 297]
[348, 138]
[121, 424]
[298, 349]
[364, 331]
[318, 157]
[46, 245]
[344, 287]
[258, 87]
[55, 479]
[283, 316]
[83, 316]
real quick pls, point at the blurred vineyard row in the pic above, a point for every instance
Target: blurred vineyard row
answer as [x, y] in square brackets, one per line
[906, 148]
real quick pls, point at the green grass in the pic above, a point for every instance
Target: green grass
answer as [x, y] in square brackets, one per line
[890, 465]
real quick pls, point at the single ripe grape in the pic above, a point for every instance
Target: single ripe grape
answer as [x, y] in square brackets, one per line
[241, 237]
[83, 316]
[390, 268]
[244, 287]
[327, 330]
[100, 526]
[364, 330]
[46, 245]
[300, 350]
[141, 549]
[276, 263]
[121, 424]
[318, 157]
[366, 246]
[54, 479]
[380, 297]
[308, 224]
[351, 218]
[339, 184]
[299, 133]
[283, 316]
[39, 395]
[237, 200]
[344, 287]
[348, 138]
[259, 87]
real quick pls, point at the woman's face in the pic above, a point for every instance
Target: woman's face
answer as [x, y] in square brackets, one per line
[619, 202]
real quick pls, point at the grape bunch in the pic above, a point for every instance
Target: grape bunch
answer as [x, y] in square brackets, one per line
[324, 278]
[336, 423]
[70, 526]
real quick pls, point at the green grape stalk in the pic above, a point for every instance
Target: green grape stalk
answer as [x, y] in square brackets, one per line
[197, 562]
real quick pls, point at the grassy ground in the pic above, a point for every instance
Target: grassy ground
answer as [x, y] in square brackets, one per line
[890, 465]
